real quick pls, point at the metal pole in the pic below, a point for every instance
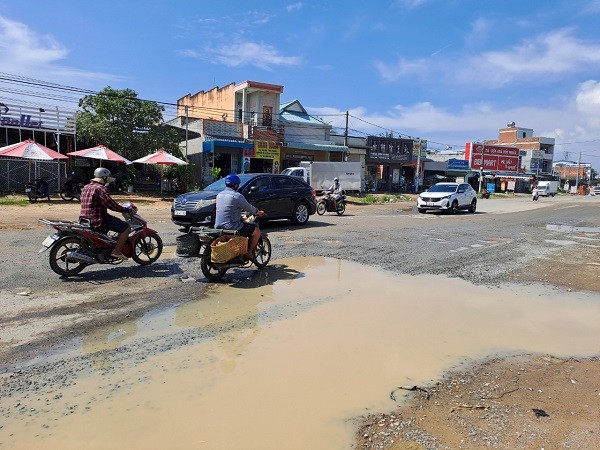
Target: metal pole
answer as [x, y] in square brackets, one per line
[577, 176]
[481, 168]
[186, 131]
[418, 142]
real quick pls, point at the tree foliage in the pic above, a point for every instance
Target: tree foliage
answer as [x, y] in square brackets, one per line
[124, 123]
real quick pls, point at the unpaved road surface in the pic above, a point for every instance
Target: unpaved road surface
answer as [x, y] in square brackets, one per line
[488, 403]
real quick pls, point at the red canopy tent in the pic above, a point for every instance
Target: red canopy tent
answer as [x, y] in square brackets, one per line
[100, 152]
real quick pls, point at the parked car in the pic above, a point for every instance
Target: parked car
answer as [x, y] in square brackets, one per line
[448, 197]
[595, 190]
[280, 196]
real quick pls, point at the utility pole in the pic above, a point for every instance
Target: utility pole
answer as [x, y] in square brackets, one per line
[187, 119]
[346, 136]
[577, 177]
[417, 169]
[481, 167]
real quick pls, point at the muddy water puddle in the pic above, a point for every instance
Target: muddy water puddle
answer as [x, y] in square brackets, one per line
[289, 358]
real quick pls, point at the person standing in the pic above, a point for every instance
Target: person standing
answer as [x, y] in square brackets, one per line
[95, 203]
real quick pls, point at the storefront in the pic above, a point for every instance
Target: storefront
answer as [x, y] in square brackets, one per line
[389, 164]
[295, 152]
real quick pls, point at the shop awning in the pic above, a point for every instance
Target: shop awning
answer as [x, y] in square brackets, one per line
[209, 146]
[317, 147]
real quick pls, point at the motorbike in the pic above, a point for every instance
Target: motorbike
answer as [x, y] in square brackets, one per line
[71, 191]
[485, 193]
[75, 245]
[325, 204]
[200, 242]
[37, 189]
[535, 194]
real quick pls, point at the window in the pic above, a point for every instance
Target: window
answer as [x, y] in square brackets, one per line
[286, 183]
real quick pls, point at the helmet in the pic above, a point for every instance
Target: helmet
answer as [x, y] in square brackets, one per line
[336, 179]
[101, 172]
[103, 175]
[232, 179]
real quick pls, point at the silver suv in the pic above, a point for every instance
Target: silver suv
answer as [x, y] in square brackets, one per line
[448, 197]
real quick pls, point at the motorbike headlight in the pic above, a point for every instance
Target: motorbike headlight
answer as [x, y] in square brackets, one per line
[202, 203]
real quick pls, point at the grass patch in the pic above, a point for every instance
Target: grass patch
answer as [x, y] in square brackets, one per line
[11, 200]
[381, 198]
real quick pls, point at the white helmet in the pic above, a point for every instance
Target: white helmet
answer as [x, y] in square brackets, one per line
[103, 175]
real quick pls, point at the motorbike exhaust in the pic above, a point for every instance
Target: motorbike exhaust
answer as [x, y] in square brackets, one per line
[80, 258]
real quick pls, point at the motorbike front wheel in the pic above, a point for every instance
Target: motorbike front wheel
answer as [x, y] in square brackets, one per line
[321, 208]
[262, 252]
[147, 249]
[66, 195]
[341, 208]
[58, 257]
[210, 270]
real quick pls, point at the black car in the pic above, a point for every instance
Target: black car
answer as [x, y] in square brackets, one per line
[279, 196]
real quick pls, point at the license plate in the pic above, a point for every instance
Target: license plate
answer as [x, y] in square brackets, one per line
[48, 242]
[429, 203]
[27, 189]
[180, 213]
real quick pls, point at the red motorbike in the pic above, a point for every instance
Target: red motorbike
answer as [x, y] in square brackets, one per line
[74, 245]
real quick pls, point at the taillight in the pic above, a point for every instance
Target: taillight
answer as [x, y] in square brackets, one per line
[314, 193]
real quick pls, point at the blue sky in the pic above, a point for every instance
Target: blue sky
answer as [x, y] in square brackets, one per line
[449, 71]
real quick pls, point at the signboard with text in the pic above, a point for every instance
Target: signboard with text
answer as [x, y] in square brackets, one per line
[492, 157]
[389, 149]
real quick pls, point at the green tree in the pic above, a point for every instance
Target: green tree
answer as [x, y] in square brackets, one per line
[127, 125]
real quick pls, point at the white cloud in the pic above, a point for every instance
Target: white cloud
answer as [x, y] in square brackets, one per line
[402, 68]
[294, 6]
[410, 4]
[27, 53]
[549, 55]
[251, 53]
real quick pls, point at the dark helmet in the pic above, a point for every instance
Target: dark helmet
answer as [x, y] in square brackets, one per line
[232, 179]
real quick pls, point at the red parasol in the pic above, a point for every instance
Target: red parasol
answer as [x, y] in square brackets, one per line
[100, 152]
[161, 157]
[30, 149]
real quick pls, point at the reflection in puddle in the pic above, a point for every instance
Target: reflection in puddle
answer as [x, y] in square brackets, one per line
[287, 358]
[572, 229]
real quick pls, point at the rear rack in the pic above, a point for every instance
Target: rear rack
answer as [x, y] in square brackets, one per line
[212, 231]
[63, 223]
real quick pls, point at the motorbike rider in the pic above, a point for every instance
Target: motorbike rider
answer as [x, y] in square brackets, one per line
[230, 204]
[335, 192]
[95, 201]
[535, 193]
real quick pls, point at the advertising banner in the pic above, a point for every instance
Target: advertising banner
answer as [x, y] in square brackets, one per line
[493, 157]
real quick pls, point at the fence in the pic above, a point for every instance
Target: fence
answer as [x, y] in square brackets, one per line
[16, 173]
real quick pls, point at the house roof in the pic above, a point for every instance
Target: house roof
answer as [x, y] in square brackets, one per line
[293, 111]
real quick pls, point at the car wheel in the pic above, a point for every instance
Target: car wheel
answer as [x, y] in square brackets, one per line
[421, 210]
[454, 207]
[473, 206]
[300, 214]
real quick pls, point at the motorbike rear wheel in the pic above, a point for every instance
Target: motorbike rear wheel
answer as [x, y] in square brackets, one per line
[321, 208]
[32, 197]
[58, 257]
[341, 208]
[209, 269]
[262, 252]
[66, 195]
[147, 249]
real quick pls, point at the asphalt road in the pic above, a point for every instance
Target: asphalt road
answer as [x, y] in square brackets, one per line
[501, 241]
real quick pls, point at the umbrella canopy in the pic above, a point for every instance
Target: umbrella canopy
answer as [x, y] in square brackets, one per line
[100, 152]
[161, 157]
[30, 149]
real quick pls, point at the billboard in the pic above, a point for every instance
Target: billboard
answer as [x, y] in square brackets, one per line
[494, 158]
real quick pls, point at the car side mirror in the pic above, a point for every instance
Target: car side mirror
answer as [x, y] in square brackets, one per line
[253, 189]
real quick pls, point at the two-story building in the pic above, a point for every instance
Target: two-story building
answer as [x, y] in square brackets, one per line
[245, 127]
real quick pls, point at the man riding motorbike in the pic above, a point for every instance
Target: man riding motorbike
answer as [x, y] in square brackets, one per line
[95, 201]
[335, 191]
[230, 204]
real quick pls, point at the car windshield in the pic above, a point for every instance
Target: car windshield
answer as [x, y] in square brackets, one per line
[443, 188]
[219, 185]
